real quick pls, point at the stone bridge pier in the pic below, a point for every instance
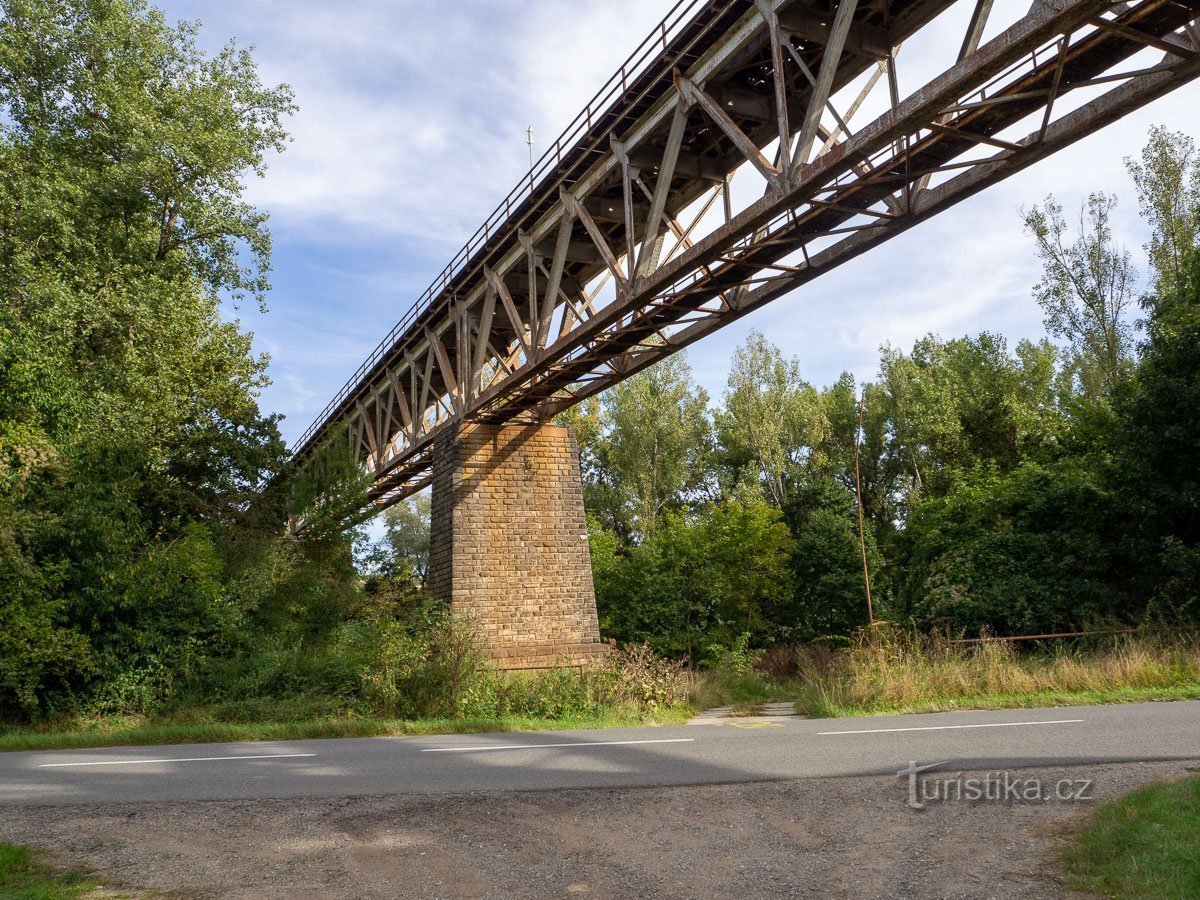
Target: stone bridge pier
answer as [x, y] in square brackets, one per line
[508, 543]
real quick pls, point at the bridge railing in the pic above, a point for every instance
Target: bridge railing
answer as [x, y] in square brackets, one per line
[650, 50]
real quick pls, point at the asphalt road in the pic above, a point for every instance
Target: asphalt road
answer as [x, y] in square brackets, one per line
[630, 757]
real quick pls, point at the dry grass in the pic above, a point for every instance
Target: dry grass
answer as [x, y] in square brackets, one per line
[900, 672]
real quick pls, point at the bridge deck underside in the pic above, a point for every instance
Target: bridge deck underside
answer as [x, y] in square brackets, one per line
[729, 170]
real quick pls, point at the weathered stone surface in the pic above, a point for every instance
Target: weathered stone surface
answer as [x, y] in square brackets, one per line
[509, 543]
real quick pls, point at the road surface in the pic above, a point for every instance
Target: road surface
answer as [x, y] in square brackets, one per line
[609, 758]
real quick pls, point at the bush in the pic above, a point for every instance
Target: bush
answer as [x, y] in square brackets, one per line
[431, 664]
[699, 577]
[738, 658]
[1030, 552]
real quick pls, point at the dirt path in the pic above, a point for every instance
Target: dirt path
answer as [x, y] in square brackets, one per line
[835, 837]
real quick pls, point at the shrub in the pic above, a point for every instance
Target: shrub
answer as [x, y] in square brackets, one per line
[1031, 551]
[430, 664]
[646, 680]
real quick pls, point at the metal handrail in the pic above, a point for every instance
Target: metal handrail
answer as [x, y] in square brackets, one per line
[638, 61]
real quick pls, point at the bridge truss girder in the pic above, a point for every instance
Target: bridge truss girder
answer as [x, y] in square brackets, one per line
[637, 243]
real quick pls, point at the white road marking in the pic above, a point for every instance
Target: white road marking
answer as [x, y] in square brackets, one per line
[135, 762]
[566, 744]
[950, 727]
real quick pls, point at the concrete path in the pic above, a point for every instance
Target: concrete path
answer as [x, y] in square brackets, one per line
[762, 714]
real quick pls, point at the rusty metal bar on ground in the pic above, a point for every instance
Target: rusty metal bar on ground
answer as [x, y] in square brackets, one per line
[1043, 637]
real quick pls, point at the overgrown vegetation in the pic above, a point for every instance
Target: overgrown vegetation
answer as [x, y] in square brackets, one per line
[146, 578]
[886, 670]
[424, 673]
[1146, 844]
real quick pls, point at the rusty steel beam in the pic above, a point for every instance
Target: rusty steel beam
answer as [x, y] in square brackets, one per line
[570, 288]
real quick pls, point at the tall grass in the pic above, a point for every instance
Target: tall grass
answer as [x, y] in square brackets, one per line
[898, 671]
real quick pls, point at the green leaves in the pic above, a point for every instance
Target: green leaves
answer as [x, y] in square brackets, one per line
[130, 436]
[1168, 186]
[1025, 552]
[134, 144]
[1087, 288]
[649, 447]
[772, 419]
[1158, 449]
[707, 575]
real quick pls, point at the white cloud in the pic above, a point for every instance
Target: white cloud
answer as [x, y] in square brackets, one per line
[411, 129]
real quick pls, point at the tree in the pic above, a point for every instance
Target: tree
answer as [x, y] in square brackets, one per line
[652, 449]
[749, 548]
[701, 577]
[884, 484]
[1168, 186]
[829, 596]
[1026, 552]
[127, 403]
[408, 533]
[1087, 287]
[772, 419]
[1159, 451]
[961, 404]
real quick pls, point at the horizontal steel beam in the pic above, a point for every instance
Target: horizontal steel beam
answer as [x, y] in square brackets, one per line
[639, 248]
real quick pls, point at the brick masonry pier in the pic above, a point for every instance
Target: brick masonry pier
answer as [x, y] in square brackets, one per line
[509, 545]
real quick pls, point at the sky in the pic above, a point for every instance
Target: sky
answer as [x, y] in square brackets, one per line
[411, 128]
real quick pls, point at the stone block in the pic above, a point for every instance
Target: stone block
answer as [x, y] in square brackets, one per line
[508, 547]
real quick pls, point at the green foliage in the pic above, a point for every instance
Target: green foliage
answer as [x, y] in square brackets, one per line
[698, 578]
[962, 404]
[830, 595]
[24, 877]
[428, 664]
[738, 658]
[1086, 289]
[1144, 844]
[1159, 449]
[647, 453]
[1025, 552]
[131, 443]
[1168, 185]
[771, 420]
[408, 526]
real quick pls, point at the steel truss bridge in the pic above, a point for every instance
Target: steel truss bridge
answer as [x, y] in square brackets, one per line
[744, 148]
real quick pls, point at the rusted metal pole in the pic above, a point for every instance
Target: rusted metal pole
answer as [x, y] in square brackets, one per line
[1043, 637]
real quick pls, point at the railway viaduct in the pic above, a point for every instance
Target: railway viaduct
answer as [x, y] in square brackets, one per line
[745, 147]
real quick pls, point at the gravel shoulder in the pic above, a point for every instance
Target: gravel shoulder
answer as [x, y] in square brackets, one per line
[827, 837]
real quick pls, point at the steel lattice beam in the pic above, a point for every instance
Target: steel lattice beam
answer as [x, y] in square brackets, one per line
[621, 254]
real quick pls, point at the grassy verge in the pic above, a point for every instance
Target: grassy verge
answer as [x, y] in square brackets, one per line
[887, 673]
[317, 694]
[132, 731]
[901, 673]
[1146, 844]
[817, 706]
[23, 877]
